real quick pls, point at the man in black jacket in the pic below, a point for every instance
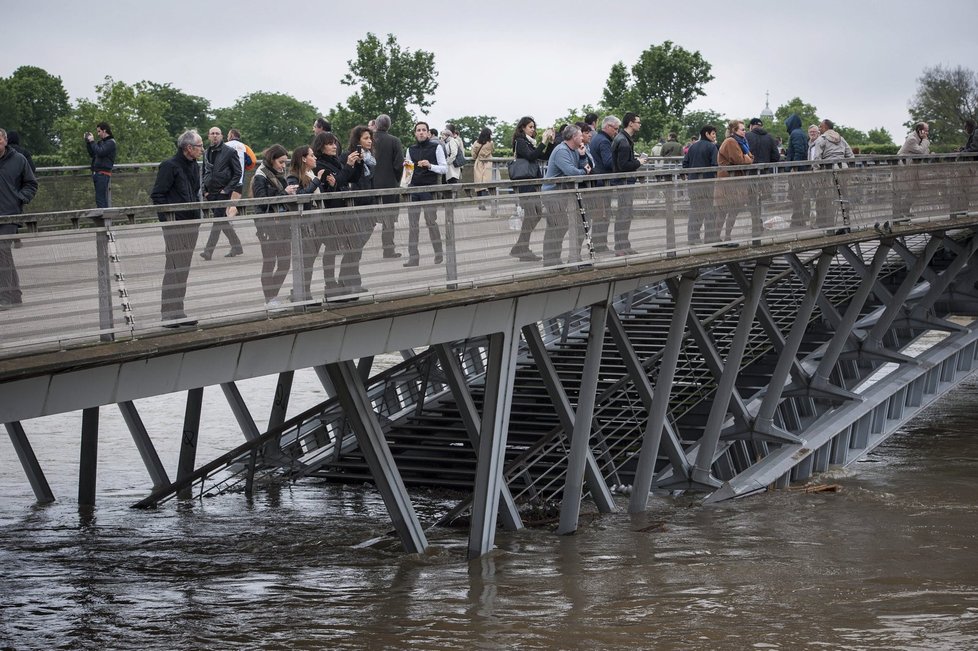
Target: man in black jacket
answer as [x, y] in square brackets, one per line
[624, 159]
[178, 181]
[765, 150]
[222, 182]
[103, 160]
[702, 153]
[389, 154]
[17, 187]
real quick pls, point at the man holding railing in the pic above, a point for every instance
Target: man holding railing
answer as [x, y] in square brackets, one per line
[17, 187]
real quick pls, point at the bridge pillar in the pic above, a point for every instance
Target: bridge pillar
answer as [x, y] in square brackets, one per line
[570, 504]
[500, 373]
[370, 436]
[593, 478]
[88, 463]
[188, 439]
[144, 444]
[651, 439]
[39, 484]
[701, 475]
[470, 417]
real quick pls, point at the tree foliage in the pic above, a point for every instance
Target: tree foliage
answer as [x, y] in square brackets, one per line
[389, 79]
[39, 100]
[268, 118]
[469, 127]
[691, 123]
[135, 114]
[945, 98]
[879, 137]
[182, 111]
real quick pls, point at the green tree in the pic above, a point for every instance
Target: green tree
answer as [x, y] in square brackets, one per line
[945, 98]
[469, 126]
[617, 97]
[880, 137]
[135, 115]
[268, 118]
[853, 136]
[183, 111]
[663, 82]
[39, 100]
[693, 121]
[9, 115]
[390, 79]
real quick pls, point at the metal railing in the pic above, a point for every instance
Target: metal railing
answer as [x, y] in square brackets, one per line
[88, 276]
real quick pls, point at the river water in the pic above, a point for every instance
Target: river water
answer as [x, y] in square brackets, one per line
[889, 562]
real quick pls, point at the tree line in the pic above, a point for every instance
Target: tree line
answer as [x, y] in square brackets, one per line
[385, 77]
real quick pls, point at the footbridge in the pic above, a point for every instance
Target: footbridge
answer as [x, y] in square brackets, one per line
[842, 305]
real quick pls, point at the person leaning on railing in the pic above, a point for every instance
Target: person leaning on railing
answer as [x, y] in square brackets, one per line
[274, 234]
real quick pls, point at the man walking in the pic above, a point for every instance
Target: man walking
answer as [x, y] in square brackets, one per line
[829, 146]
[223, 178]
[428, 159]
[178, 181]
[17, 187]
[702, 153]
[624, 159]
[389, 154]
[102, 153]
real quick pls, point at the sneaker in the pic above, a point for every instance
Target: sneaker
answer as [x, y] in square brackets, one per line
[234, 252]
[274, 305]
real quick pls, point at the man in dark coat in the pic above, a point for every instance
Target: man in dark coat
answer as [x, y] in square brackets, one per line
[765, 150]
[801, 206]
[624, 160]
[17, 187]
[178, 181]
[222, 182]
[102, 154]
[702, 153]
[389, 153]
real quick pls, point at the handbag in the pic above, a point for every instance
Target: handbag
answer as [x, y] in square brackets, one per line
[521, 169]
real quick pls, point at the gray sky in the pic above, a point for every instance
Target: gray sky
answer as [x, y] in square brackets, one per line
[857, 61]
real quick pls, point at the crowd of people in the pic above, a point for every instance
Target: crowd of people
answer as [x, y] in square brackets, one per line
[372, 159]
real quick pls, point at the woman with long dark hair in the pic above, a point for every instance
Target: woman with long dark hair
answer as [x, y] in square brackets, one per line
[360, 226]
[274, 235]
[526, 147]
[327, 233]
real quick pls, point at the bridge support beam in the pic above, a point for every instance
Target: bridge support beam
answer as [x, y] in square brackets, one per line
[147, 451]
[593, 478]
[652, 437]
[188, 439]
[570, 504]
[280, 403]
[88, 463]
[373, 445]
[39, 484]
[500, 372]
[702, 476]
[240, 411]
[470, 418]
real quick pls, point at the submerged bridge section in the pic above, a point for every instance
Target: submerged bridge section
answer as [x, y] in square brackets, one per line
[718, 370]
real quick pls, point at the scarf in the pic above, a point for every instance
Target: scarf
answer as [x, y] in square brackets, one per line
[744, 145]
[276, 179]
[369, 163]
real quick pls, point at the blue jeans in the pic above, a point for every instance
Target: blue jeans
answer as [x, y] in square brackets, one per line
[101, 182]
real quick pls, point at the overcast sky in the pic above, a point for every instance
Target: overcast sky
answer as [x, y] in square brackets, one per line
[857, 61]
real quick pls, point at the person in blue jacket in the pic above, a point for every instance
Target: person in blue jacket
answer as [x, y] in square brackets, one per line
[801, 207]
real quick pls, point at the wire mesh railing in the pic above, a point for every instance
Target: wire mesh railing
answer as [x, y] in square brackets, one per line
[89, 276]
